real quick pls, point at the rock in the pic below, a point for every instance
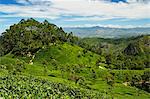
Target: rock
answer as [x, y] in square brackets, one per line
[29, 54]
[31, 62]
[132, 49]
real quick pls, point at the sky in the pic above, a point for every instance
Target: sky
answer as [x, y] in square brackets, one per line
[77, 13]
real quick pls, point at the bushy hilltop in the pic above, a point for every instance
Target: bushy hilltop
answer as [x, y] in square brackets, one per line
[30, 35]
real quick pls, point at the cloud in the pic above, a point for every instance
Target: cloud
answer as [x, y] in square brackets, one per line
[94, 10]
[35, 11]
[90, 18]
[34, 2]
[99, 8]
[3, 20]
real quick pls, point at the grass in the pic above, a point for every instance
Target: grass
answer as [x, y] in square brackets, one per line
[70, 57]
[120, 91]
[66, 54]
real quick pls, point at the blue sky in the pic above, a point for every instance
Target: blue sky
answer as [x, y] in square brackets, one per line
[73, 13]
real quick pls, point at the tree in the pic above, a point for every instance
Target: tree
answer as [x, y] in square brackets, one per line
[109, 61]
[46, 22]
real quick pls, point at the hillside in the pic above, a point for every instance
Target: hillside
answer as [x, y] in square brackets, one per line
[61, 82]
[66, 54]
[40, 60]
[121, 51]
[52, 72]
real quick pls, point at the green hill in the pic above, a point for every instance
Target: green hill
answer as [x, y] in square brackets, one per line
[28, 36]
[66, 54]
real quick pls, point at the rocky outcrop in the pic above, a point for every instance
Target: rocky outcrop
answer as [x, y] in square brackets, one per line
[132, 49]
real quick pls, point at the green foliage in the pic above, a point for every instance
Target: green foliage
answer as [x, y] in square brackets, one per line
[65, 54]
[12, 65]
[130, 53]
[31, 35]
[30, 87]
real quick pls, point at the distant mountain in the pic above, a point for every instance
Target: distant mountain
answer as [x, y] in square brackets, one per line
[106, 32]
[139, 1]
[129, 1]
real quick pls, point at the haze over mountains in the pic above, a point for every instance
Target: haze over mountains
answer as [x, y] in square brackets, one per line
[107, 32]
[140, 1]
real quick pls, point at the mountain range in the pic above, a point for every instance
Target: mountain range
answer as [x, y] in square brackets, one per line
[107, 32]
